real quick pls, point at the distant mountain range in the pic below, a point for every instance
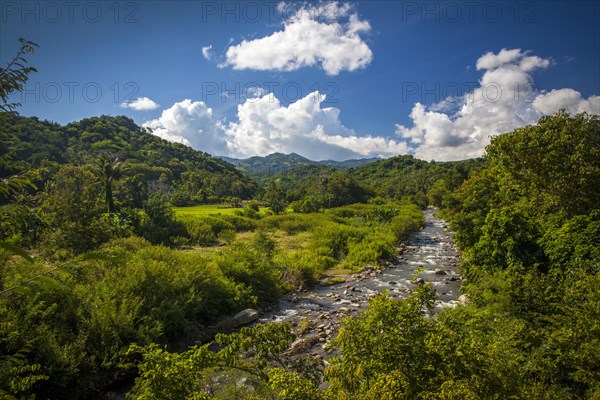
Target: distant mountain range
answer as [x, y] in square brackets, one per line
[277, 162]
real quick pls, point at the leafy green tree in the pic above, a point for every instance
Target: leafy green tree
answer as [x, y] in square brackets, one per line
[160, 224]
[73, 214]
[552, 166]
[14, 76]
[275, 198]
[109, 171]
[254, 355]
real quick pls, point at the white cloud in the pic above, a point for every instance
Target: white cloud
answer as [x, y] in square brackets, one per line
[207, 52]
[490, 60]
[190, 123]
[265, 126]
[505, 99]
[568, 99]
[454, 128]
[140, 104]
[326, 35]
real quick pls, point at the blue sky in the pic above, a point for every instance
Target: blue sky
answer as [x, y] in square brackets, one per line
[434, 79]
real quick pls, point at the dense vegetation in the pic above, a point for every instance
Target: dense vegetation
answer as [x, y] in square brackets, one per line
[101, 281]
[68, 320]
[528, 225]
[101, 178]
[262, 168]
[405, 176]
[153, 164]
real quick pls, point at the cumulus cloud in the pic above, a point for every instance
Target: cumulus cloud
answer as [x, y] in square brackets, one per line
[569, 99]
[455, 128]
[505, 99]
[207, 52]
[326, 34]
[265, 126]
[190, 123]
[140, 104]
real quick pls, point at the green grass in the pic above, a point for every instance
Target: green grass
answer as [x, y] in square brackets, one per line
[205, 209]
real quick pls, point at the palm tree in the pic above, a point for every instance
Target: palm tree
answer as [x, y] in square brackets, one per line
[109, 171]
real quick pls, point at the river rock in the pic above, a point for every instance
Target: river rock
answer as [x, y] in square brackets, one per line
[439, 271]
[245, 317]
[420, 281]
[462, 299]
[302, 345]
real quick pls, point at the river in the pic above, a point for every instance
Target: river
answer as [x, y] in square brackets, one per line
[427, 256]
[322, 308]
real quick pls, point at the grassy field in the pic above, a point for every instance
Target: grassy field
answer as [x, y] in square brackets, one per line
[205, 209]
[209, 209]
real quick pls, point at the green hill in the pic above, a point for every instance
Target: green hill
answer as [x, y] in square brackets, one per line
[405, 175]
[29, 144]
[261, 168]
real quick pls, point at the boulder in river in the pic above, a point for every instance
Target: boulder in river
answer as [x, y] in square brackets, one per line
[439, 271]
[245, 317]
[302, 345]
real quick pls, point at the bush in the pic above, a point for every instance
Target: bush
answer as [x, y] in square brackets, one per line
[373, 248]
[200, 232]
[290, 223]
[240, 223]
[409, 220]
[253, 267]
[158, 224]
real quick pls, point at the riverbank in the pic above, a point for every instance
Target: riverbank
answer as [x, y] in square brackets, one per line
[427, 256]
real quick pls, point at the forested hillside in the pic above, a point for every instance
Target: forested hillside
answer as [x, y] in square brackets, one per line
[402, 176]
[34, 146]
[261, 169]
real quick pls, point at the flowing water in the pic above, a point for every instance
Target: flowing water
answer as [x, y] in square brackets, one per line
[322, 308]
[427, 256]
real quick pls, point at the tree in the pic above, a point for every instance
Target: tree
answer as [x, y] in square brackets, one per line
[15, 75]
[73, 213]
[109, 171]
[159, 224]
[275, 198]
[12, 79]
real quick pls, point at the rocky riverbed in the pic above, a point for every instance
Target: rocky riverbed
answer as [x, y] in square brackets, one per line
[428, 256]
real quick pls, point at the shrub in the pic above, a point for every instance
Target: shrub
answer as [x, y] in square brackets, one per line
[200, 232]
